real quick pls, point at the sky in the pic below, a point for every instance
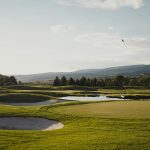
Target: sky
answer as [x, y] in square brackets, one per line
[66, 35]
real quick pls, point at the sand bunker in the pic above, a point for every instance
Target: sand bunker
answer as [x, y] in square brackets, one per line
[29, 123]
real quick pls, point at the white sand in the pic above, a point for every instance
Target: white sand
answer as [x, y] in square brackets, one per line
[29, 123]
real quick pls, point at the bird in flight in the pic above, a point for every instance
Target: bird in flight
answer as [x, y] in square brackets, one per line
[123, 40]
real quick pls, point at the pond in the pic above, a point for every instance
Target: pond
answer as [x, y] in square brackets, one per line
[99, 98]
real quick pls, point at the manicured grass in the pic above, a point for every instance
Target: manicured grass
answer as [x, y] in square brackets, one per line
[125, 91]
[117, 109]
[131, 96]
[117, 125]
[49, 87]
[93, 126]
[22, 98]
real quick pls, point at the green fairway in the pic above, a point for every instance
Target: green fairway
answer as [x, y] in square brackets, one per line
[126, 90]
[93, 126]
[118, 109]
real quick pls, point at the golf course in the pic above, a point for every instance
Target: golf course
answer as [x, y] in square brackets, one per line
[77, 125]
[74, 75]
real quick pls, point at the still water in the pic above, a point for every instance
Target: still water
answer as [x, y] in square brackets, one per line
[99, 98]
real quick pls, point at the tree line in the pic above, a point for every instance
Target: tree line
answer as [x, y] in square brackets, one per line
[118, 81]
[6, 80]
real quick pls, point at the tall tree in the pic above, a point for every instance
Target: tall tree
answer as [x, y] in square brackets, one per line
[77, 82]
[94, 82]
[83, 81]
[63, 81]
[6, 80]
[88, 82]
[12, 79]
[56, 82]
[71, 81]
[120, 80]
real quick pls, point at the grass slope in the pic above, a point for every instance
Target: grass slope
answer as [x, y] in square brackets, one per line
[93, 126]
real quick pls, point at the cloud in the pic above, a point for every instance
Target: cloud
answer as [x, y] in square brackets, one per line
[61, 28]
[108, 48]
[103, 4]
[113, 41]
[139, 42]
[101, 40]
[110, 28]
[91, 48]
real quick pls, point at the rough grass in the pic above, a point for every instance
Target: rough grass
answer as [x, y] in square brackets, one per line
[85, 127]
[22, 98]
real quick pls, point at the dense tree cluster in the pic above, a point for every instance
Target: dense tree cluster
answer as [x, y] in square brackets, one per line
[6, 80]
[118, 81]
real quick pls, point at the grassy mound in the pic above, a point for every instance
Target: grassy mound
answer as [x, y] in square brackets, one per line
[22, 98]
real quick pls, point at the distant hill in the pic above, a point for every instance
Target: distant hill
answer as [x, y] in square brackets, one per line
[134, 70]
